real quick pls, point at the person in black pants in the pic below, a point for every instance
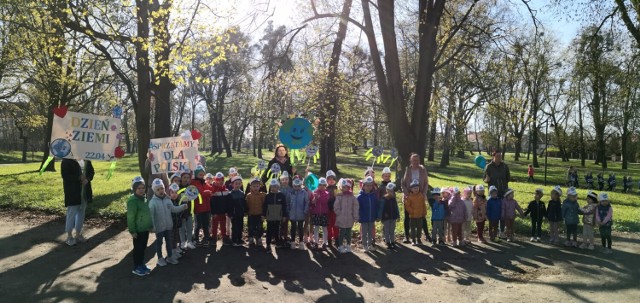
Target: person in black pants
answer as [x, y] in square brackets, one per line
[237, 209]
[538, 211]
[275, 212]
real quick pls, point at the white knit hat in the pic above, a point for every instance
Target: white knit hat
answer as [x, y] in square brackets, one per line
[345, 182]
[509, 191]
[593, 195]
[603, 197]
[284, 175]
[297, 182]
[386, 170]
[157, 184]
[557, 189]
[480, 188]
[322, 181]
[136, 180]
[492, 188]
[208, 176]
[436, 191]
[173, 188]
[274, 182]
[572, 191]
[367, 180]
[455, 190]
[219, 175]
[415, 183]
[330, 173]
[233, 170]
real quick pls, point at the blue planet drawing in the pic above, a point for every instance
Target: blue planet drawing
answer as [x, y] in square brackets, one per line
[60, 148]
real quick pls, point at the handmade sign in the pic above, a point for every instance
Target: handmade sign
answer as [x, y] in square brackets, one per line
[259, 168]
[173, 154]
[274, 171]
[85, 137]
[296, 133]
[312, 152]
[377, 153]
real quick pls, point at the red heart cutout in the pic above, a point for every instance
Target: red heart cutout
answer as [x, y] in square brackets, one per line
[195, 134]
[60, 111]
[119, 153]
[151, 157]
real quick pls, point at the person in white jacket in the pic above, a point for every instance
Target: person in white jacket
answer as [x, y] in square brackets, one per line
[161, 207]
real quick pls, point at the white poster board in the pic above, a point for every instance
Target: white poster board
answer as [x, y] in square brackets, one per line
[84, 137]
[173, 154]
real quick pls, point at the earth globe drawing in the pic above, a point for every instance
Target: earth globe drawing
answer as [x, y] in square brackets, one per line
[60, 148]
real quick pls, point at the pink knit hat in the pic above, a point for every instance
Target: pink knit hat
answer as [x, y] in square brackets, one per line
[467, 192]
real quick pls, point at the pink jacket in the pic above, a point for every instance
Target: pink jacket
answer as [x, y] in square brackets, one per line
[320, 203]
[347, 210]
[509, 208]
[457, 210]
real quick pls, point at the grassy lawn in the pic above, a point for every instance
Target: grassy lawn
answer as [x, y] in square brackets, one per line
[24, 189]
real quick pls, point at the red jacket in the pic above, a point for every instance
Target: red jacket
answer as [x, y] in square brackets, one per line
[204, 205]
[530, 171]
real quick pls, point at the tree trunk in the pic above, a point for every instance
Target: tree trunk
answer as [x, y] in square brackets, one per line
[125, 128]
[518, 146]
[160, 22]
[330, 111]
[432, 137]
[446, 142]
[583, 153]
[144, 95]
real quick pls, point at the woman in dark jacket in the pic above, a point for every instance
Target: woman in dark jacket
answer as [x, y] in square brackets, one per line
[282, 158]
[76, 182]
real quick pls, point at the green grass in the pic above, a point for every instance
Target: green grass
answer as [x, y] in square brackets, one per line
[16, 157]
[23, 188]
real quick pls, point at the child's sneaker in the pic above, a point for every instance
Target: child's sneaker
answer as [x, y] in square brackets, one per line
[567, 243]
[162, 262]
[172, 260]
[178, 250]
[366, 248]
[462, 243]
[139, 271]
[538, 239]
[574, 244]
[583, 246]
[70, 241]
[259, 241]
[442, 242]
[349, 250]
[533, 239]
[419, 242]
[303, 247]
[591, 247]
[293, 245]
[608, 251]
[183, 245]
[190, 245]
[251, 242]
[146, 269]
[406, 241]
[509, 240]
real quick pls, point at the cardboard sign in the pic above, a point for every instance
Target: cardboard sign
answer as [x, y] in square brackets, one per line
[173, 154]
[84, 137]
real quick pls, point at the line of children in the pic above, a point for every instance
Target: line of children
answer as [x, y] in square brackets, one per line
[329, 210]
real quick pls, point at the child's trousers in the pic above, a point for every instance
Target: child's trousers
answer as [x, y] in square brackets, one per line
[456, 233]
[416, 228]
[437, 230]
[388, 230]
[255, 226]
[367, 236]
[480, 230]
[345, 235]
[605, 235]
[509, 223]
[536, 227]
[587, 234]
[554, 233]
[139, 245]
[186, 230]
[273, 231]
[218, 221]
[493, 229]
[297, 226]
[466, 230]
[202, 223]
[166, 235]
[237, 224]
[572, 231]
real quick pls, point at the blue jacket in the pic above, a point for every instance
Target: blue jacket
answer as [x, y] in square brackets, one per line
[570, 212]
[494, 209]
[368, 207]
[438, 210]
[298, 205]
[237, 204]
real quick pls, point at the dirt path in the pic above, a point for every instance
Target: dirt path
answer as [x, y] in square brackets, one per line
[35, 266]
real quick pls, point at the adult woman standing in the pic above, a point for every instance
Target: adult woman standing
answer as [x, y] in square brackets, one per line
[282, 158]
[415, 171]
[76, 182]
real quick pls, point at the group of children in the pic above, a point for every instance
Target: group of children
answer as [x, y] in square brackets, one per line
[289, 211]
[611, 182]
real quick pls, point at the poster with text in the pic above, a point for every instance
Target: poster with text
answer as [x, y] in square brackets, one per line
[173, 154]
[84, 136]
